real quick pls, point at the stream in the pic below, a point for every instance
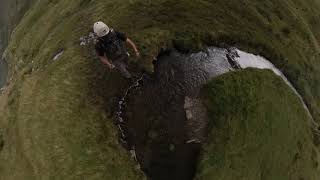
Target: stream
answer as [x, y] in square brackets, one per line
[161, 118]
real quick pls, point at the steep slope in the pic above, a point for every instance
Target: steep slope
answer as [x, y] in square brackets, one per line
[259, 130]
[56, 116]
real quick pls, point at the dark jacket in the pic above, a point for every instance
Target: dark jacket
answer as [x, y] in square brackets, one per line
[113, 45]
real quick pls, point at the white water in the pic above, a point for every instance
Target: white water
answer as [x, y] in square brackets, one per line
[247, 60]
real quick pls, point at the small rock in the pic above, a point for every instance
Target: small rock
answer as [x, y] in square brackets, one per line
[133, 154]
[189, 114]
[58, 54]
[194, 141]
[138, 167]
[188, 103]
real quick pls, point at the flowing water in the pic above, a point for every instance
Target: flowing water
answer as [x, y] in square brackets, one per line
[162, 120]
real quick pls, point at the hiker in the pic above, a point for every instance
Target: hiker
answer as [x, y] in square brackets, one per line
[111, 48]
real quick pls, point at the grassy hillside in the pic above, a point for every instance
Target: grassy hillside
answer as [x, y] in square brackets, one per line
[54, 114]
[259, 130]
[53, 121]
[287, 32]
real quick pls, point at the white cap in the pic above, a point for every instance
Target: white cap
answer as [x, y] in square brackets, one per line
[101, 29]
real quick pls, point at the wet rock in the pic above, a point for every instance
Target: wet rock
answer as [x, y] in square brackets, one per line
[231, 56]
[197, 120]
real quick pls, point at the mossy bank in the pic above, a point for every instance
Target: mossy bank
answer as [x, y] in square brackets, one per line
[259, 130]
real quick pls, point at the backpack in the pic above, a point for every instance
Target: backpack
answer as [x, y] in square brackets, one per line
[113, 46]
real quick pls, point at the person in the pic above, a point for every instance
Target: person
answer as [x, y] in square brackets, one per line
[112, 50]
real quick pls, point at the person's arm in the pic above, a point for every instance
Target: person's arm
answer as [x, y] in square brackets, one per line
[133, 46]
[106, 61]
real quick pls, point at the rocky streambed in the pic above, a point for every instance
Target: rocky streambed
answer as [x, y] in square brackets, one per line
[163, 120]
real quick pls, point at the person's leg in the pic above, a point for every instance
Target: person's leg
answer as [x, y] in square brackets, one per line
[121, 66]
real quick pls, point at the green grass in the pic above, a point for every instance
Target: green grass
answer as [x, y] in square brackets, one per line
[258, 130]
[63, 103]
[57, 128]
[54, 120]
